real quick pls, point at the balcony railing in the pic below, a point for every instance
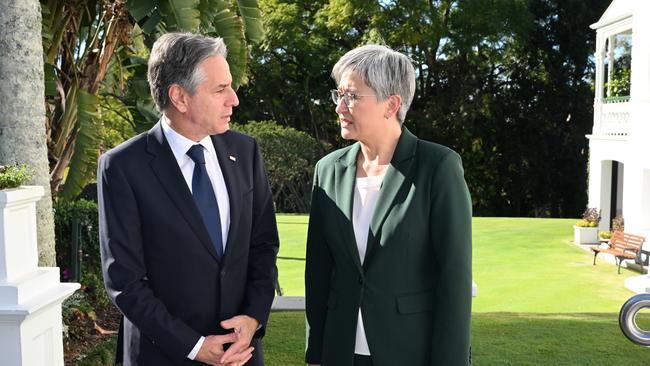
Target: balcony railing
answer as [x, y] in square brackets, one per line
[612, 117]
[620, 99]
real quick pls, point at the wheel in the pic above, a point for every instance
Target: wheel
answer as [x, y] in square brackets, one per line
[627, 319]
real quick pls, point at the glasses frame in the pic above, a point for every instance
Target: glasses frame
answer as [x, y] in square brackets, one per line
[348, 98]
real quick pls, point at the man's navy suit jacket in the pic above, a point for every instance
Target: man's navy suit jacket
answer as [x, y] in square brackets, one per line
[159, 264]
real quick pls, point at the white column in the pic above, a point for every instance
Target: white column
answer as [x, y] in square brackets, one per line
[610, 63]
[595, 171]
[600, 65]
[600, 73]
[605, 194]
[30, 296]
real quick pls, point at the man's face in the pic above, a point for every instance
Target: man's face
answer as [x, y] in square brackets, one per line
[210, 108]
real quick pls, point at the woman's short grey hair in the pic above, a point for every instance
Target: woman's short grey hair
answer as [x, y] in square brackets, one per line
[385, 71]
[175, 59]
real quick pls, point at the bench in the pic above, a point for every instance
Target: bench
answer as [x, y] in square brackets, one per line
[622, 246]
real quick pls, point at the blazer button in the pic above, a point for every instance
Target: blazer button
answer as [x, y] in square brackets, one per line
[223, 273]
[361, 280]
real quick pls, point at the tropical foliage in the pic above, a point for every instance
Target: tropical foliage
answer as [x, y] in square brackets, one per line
[507, 84]
[95, 63]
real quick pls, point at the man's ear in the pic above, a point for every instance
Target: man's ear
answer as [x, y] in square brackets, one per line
[178, 97]
[394, 102]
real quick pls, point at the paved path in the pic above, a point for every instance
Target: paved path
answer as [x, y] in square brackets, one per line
[288, 303]
[297, 303]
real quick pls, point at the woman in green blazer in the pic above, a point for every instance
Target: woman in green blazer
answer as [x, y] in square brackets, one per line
[388, 273]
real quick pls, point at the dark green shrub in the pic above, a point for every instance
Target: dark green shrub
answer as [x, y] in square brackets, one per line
[289, 156]
[102, 354]
[91, 268]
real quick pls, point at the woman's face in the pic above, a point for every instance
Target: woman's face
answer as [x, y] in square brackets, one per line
[361, 119]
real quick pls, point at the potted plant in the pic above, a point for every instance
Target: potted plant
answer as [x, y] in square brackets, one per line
[585, 231]
[30, 296]
[13, 176]
[17, 222]
[618, 224]
[605, 235]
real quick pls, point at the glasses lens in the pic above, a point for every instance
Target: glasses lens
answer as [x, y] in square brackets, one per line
[335, 96]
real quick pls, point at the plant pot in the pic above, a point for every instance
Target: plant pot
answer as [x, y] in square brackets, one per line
[31, 330]
[18, 252]
[585, 235]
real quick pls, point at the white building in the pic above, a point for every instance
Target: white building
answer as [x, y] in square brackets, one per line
[619, 159]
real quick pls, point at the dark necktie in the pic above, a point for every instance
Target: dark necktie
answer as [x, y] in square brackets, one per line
[205, 199]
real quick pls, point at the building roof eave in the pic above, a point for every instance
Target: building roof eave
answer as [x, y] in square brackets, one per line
[605, 22]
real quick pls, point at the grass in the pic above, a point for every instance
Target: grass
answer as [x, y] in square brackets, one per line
[540, 299]
[529, 265]
[520, 265]
[291, 264]
[500, 339]
[552, 339]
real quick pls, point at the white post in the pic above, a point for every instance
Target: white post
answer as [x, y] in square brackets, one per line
[600, 73]
[600, 65]
[610, 64]
[30, 296]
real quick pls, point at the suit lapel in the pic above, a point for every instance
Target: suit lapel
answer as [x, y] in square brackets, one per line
[397, 173]
[345, 175]
[230, 176]
[169, 175]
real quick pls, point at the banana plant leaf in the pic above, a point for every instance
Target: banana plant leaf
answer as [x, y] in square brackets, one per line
[252, 16]
[86, 150]
[181, 15]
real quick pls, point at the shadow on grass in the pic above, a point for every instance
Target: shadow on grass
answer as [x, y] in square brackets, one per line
[552, 339]
[501, 339]
[497, 339]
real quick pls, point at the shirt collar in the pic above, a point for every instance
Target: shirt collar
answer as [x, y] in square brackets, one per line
[181, 144]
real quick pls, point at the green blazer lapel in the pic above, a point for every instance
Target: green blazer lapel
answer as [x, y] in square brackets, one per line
[345, 176]
[397, 173]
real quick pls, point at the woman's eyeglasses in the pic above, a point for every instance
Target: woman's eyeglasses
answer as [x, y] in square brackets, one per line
[348, 97]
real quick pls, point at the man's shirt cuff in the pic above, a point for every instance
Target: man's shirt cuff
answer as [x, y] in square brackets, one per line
[195, 350]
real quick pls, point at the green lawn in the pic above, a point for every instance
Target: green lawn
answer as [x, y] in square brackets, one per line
[500, 339]
[540, 300]
[291, 264]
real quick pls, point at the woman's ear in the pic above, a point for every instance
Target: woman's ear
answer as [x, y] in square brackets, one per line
[178, 97]
[394, 102]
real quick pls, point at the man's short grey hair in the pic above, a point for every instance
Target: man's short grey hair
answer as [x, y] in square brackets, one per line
[384, 70]
[175, 59]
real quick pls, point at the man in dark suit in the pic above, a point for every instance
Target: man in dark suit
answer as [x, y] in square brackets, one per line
[187, 226]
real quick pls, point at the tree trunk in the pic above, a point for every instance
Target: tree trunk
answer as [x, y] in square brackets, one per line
[22, 110]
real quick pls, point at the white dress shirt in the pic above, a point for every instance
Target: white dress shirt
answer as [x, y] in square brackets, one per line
[180, 145]
[366, 192]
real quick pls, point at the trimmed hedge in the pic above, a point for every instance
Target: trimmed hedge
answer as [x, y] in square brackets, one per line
[289, 157]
